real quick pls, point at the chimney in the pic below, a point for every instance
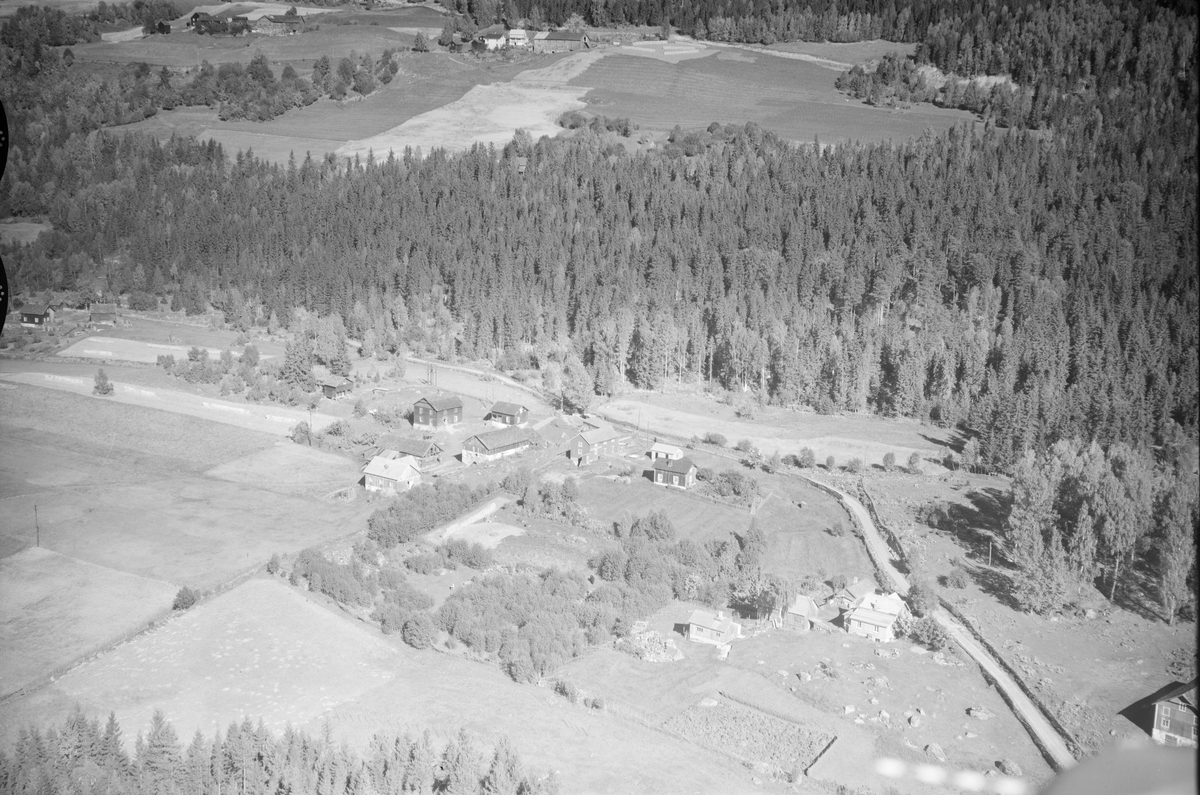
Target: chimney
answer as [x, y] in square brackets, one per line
[720, 615]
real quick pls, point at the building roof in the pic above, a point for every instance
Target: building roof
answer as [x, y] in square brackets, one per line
[34, 309]
[679, 466]
[1184, 692]
[703, 618]
[337, 382]
[540, 35]
[506, 408]
[857, 590]
[102, 309]
[442, 402]
[891, 603]
[803, 606]
[599, 435]
[565, 35]
[666, 449]
[505, 437]
[873, 617]
[408, 445]
[403, 468]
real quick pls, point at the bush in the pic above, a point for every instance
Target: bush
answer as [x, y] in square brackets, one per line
[830, 463]
[185, 598]
[419, 631]
[517, 481]
[567, 690]
[837, 529]
[103, 386]
[957, 578]
[838, 582]
[807, 458]
[475, 556]
[922, 596]
[930, 634]
[855, 465]
[746, 446]
[889, 462]
[715, 439]
[914, 463]
[424, 563]
[273, 565]
[360, 408]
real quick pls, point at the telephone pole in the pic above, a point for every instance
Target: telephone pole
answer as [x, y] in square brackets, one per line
[37, 526]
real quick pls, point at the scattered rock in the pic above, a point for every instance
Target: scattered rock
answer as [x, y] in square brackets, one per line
[782, 673]
[874, 701]
[990, 774]
[935, 750]
[971, 735]
[1089, 614]
[883, 715]
[860, 721]
[980, 713]
[846, 710]
[805, 676]
[1112, 732]
[792, 688]
[920, 711]
[845, 645]
[1010, 768]
[914, 721]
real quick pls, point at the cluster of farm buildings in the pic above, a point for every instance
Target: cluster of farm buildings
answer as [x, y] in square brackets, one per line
[42, 315]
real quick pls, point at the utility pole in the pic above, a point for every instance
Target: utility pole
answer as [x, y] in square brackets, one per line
[310, 427]
[989, 554]
[37, 526]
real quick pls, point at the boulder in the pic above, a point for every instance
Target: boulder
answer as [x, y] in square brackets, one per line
[980, 713]
[1010, 768]
[935, 750]
[848, 709]
[914, 721]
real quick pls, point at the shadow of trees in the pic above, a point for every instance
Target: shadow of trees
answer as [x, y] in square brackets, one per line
[978, 524]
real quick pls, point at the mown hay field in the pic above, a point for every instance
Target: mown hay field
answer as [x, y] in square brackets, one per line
[694, 517]
[795, 99]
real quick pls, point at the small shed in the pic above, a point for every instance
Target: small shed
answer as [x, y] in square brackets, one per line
[1175, 715]
[425, 451]
[662, 450]
[801, 613]
[492, 445]
[438, 411]
[36, 315]
[336, 388]
[505, 413]
[391, 475]
[680, 473]
[715, 628]
[103, 313]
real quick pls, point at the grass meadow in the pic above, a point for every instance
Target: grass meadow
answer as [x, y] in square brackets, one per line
[694, 517]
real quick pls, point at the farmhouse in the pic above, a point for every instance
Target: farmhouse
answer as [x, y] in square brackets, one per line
[503, 413]
[562, 41]
[801, 613]
[1175, 715]
[718, 629]
[589, 445]
[102, 313]
[680, 473]
[36, 315]
[519, 38]
[427, 452]
[336, 388]
[492, 445]
[438, 411]
[874, 616]
[278, 24]
[390, 475]
[492, 38]
[662, 450]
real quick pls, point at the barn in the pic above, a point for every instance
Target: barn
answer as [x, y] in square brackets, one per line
[278, 24]
[504, 413]
[437, 411]
[717, 629]
[336, 388]
[492, 445]
[589, 445]
[562, 41]
[679, 473]
[427, 452]
[103, 313]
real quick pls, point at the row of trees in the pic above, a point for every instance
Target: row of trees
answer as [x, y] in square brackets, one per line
[80, 755]
[1080, 511]
[420, 509]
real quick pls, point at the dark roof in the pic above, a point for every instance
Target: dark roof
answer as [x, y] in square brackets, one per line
[509, 409]
[442, 402]
[34, 309]
[293, 19]
[1181, 689]
[680, 466]
[505, 437]
[408, 445]
[337, 383]
[104, 309]
[565, 35]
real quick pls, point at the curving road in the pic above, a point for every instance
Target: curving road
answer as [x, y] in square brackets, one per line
[1043, 733]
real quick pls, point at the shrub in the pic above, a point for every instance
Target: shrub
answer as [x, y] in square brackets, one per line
[922, 596]
[424, 563]
[517, 481]
[273, 565]
[475, 556]
[715, 439]
[103, 386]
[930, 634]
[957, 578]
[855, 465]
[889, 462]
[567, 690]
[360, 408]
[830, 463]
[807, 458]
[419, 631]
[185, 598]
[838, 582]
[914, 463]
[837, 530]
[746, 446]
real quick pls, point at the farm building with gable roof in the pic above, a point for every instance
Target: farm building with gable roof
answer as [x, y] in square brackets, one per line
[438, 411]
[663, 450]
[589, 445]
[680, 473]
[717, 629]
[102, 313]
[390, 475]
[1175, 715]
[562, 41]
[336, 388]
[425, 451]
[505, 413]
[491, 445]
[36, 315]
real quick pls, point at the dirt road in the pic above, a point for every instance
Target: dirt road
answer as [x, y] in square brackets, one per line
[1027, 712]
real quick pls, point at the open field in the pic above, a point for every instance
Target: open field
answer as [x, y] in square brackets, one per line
[128, 350]
[53, 608]
[694, 517]
[123, 487]
[22, 231]
[259, 650]
[847, 54]
[842, 436]
[800, 544]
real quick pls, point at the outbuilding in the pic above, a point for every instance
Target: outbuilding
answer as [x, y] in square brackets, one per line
[491, 445]
[505, 413]
[680, 473]
[36, 315]
[662, 450]
[391, 475]
[336, 388]
[562, 41]
[427, 452]
[103, 313]
[438, 411]
[717, 629]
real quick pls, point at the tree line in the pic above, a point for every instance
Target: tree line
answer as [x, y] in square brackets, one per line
[80, 755]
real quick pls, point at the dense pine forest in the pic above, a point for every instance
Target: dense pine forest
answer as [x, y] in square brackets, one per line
[82, 756]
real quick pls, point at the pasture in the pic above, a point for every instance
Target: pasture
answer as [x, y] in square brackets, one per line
[261, 650]
[694, 517]
[13, 231]
[54, 609]
[798, 539]
[793, 98]
[124, 487]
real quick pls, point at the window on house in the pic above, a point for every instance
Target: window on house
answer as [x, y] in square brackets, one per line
[1165, 723]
